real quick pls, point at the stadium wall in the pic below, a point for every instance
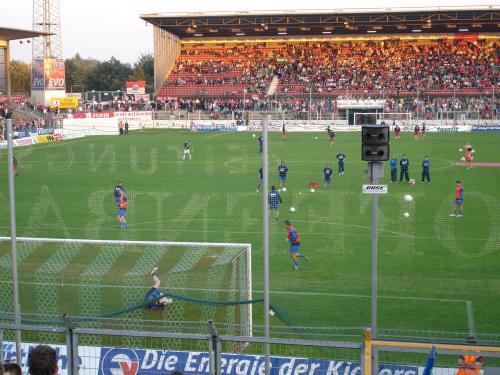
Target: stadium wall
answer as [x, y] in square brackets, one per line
[166, 49]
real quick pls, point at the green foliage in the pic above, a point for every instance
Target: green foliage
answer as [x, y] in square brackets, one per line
[20, 75]
[92, 74]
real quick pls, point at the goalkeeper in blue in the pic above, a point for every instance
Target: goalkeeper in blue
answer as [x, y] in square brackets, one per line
[294, 239]
[154, 294]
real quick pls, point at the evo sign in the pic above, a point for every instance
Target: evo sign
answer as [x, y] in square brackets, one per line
[374, 189]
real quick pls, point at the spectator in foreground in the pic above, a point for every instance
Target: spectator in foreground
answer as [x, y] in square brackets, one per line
[11, 369]
[42, 360]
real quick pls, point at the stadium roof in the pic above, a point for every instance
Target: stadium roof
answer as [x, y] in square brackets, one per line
[7, 33]
[306, 23]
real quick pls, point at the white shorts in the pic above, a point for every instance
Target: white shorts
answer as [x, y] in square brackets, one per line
[188, 151]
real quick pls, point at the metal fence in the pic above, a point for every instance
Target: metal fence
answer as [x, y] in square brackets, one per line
[83, 351]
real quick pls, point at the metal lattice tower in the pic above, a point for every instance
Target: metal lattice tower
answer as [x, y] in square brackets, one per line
[47, 18]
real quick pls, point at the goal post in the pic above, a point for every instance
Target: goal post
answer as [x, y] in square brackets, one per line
[401, 119]
[102, 283]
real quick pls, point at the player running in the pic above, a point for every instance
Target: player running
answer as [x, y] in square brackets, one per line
[340, 156]
[187, 150]
[260, 173]
[282, 174]
[274, 200]
[154, 294]
[116, 193]
[394, 169]
[426, 167]
[331, 135]
[327, 179]
[122, 209]
[294, 239]
[459, 200]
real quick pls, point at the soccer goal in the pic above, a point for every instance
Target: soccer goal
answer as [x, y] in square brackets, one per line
[102, 284]
[401, 119]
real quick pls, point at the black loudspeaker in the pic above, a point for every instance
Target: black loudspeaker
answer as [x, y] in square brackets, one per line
[375, 142]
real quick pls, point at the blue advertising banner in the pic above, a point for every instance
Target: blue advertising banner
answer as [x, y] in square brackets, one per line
[486, 128]
[121, 361]
[215, 128]
[37, 75]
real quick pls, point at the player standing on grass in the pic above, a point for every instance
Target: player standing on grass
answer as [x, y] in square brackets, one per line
[426, 167]
[274, 200]
[294, 239]
[404, 164]
[122, 209]
[261, 178]
[282, 174]
[459, 200]
[394, 169]
[154, 293]
[261, 142]
[187, 150]
[283, 130]
[340, 156]
[14, 166]
[331, 135]
[423, 130]
[416, 130]
[327, 172]
[397, 130]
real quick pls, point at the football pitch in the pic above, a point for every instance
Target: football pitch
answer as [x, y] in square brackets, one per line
[438, 275]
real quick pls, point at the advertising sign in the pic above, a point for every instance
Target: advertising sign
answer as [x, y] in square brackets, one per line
[138, 87]
[37, 77]
[486, 128]
[64, 103]
[54, 74]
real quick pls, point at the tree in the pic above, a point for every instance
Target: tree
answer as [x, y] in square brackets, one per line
[109, 75]
[144, 71]
[20, 76]
[78, 71]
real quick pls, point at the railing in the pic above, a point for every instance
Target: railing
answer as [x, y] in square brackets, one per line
[83, 351]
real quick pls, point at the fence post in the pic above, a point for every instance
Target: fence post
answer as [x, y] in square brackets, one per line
[71, 346]
[1, 345]
[214, 350]
[366, 353]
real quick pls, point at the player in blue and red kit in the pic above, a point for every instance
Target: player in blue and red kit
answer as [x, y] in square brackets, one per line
[261, 178]
[394, 170]
[122, 209]
[261, 142]
[459, 200]
[294, 239]
[282, 173]
[274, 200]
[327, 179]
[426, 168]
[116, 192]
[154, 294]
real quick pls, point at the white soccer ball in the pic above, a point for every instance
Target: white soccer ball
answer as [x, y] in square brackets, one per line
[253, 135]
[462, 158]
[406, 214]
[460, 150]
[408, 198]
[312, 190]
[292, 209]
[284, 189]
[315, 137]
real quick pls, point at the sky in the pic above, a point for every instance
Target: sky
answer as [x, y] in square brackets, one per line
[104, 28]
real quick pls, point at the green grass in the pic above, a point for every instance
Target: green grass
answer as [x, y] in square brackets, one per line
[431, 266]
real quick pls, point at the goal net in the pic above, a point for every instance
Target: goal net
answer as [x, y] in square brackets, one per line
[102, 284]
[401, 119]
